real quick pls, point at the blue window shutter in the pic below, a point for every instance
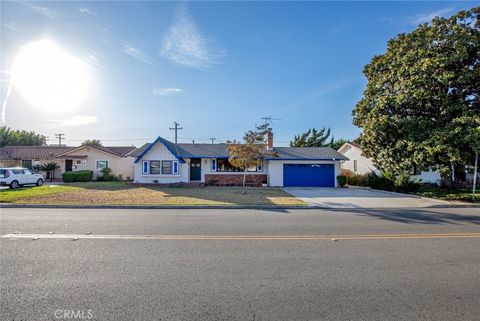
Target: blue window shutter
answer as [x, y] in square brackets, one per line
[214, 165]
[175, 167]
[145, 167]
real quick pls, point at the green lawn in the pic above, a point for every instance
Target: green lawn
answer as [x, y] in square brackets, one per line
[11, 196]
[448, 194]
[120, 193]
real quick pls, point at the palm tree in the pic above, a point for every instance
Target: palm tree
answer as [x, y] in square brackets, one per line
[50, 169]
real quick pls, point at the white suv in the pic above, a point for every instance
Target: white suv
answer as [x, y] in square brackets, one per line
[17, 177]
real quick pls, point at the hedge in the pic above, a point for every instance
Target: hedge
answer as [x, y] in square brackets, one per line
[77, 176]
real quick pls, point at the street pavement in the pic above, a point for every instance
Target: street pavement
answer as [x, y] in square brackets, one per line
[352, 264]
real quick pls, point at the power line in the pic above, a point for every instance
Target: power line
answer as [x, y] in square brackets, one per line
[176, 129]
[60, 137]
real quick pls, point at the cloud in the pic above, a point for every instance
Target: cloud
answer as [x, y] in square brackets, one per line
[427, 17]
[166, 91]
[137, 54]
[47, 12]
[185, 45]
[88, 12]
[77, 120]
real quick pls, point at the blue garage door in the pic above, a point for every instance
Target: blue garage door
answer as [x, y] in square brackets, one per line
[320, 175]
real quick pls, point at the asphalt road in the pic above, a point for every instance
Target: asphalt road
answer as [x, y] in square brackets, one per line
[369, 264]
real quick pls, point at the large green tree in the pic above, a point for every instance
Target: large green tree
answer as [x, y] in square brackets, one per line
[421, 105]
[10, 137]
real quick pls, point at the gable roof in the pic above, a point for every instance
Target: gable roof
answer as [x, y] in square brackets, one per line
[31, 152]
[221, 151]
[348, 144]
[119, 151]
[306, 153]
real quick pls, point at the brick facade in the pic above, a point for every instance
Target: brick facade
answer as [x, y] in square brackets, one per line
[235, 179]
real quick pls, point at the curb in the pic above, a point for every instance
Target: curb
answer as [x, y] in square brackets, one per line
[165, 207]
[229, 207]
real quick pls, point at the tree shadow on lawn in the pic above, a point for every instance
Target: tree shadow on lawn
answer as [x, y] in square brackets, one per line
[415, 216]
[204, 195]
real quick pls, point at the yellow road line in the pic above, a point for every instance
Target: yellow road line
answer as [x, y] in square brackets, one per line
[244, 237]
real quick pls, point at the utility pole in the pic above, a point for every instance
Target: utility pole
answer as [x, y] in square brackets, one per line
[212, 139]
[475, 172]
[60, 137]
[176, 129]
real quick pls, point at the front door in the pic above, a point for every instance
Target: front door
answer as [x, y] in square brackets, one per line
[68, 165]
[195, 169]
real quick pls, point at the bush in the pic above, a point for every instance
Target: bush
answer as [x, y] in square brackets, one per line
[397, 183]
[342, 180]
[355, 179]
[107, 178]
[77, 176]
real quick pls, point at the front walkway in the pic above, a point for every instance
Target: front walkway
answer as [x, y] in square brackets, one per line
[359, 198]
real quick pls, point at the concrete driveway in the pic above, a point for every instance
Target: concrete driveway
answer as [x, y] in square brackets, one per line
[359, 198]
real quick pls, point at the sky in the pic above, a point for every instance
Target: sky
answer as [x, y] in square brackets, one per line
[216, 68]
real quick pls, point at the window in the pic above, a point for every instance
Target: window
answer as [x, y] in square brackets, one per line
[154, 167]
[27, 163]
[17, 171]
[223, 165]
[80, 162]
[166, 167]
[355, 165]
[4, 173]
[27, 172]
[101, 164]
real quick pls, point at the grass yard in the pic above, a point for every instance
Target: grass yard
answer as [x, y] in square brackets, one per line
[448, 195]
[119, 193]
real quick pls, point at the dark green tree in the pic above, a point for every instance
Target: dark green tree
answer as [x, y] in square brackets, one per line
[11, 137]
[94, 142]
[421, 105]
[313, 138]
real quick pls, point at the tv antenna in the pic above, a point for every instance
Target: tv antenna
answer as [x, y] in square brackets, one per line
[269, 119]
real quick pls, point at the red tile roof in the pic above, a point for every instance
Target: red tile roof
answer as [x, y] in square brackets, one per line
[51, 152]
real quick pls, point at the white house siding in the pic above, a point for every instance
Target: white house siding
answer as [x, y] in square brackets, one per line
[364, 164]
[430, 177]
[275, 169]
[160, 152]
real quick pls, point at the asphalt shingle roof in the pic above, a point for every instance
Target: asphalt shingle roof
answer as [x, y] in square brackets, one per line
[313, 153]
[221, 151]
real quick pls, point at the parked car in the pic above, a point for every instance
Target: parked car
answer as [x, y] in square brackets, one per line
[17, 177]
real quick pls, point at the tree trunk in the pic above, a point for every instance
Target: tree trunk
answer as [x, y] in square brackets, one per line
[244, 177]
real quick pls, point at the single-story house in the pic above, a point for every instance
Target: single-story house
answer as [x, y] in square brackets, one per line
[360, 164]
[165, 162]
[85, 157]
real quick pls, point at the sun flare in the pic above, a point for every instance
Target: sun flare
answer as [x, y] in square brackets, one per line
[49, 77]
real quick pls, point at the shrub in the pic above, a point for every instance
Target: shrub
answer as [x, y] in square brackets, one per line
[106, 171]
[390, 182]
[342, 180]
[77, 176]
[355, 179]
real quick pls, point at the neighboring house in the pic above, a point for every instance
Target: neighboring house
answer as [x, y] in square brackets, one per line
[165, 162]
[360, 164]
[357, 162]
[70, 158]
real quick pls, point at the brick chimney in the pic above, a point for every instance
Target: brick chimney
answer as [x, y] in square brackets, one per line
[269, 139]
